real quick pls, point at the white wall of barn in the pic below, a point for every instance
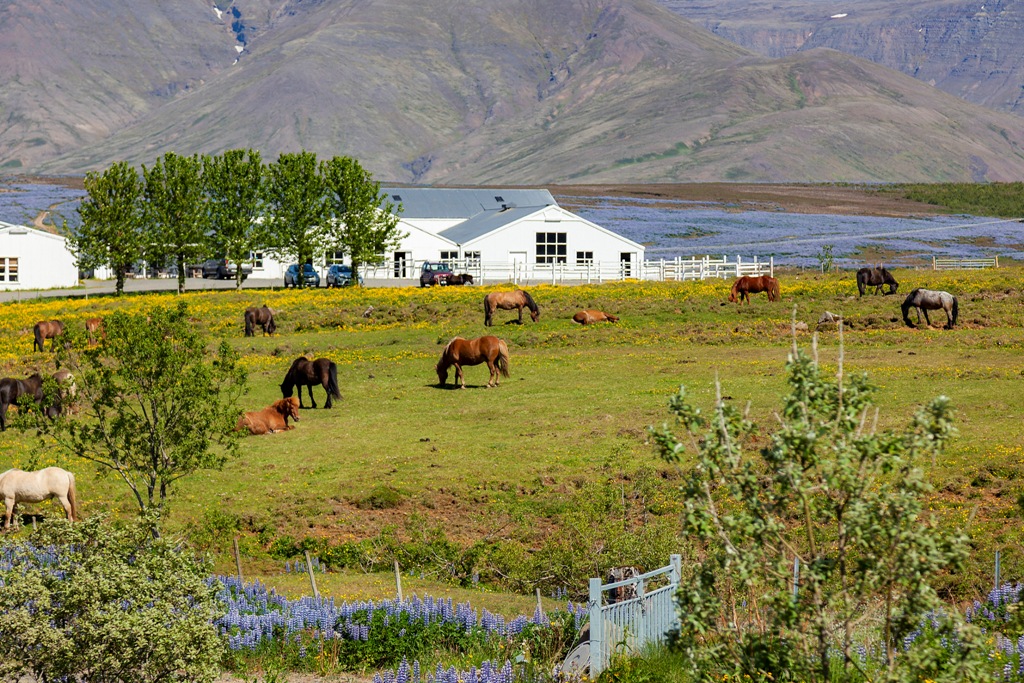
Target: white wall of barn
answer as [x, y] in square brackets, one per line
[43, 260]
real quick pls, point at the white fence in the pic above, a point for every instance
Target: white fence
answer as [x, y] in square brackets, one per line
[970, 263]
[694, 268]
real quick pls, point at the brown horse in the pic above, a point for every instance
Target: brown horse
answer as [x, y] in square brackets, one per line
[92, 326]
[272, 419]
[459, 352]
[305, 373]
[461, 279]
[12, 389]
[264, 317]
[67, 391]
[748, 284]
[46, 329]
[588, 316]
[507, 301]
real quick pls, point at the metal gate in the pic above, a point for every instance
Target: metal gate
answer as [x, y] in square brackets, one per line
[645, 616]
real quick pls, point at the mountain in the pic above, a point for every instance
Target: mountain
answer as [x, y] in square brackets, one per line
[973, 50]
[471, 92]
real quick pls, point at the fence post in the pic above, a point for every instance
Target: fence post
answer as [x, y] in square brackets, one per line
[398, 581]
[238, 561]
[933, 263]
[796, 577]
[771, 266]
[596, 630]
[312, 579]
[997, 570]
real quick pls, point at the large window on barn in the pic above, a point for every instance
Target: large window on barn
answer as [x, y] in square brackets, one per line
[449, 257]
[257, 259]
[472, 259]
[332, 258]
[551, 247]
[8, 269]
[584, 258]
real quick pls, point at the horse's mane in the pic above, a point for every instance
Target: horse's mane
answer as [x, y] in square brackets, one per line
[448, 346]
[529, 300]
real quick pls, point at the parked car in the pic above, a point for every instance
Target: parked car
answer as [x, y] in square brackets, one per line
[222, 269]
[310, 278]
[340, 276]
[434, 274]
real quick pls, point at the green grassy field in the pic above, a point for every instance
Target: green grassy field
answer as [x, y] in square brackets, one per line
[555, 458]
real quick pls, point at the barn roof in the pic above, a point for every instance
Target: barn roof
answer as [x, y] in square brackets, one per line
[465, 203]
[484, 223]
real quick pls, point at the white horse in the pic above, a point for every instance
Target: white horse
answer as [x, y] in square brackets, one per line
[17, 486]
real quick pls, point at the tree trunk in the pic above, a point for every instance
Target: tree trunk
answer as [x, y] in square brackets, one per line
[181, 273]
[355, 272]
[119, 279]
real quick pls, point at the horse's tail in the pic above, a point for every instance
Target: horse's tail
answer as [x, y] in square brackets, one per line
[775, 290]
[502, 362]
[38, 333]
[249, 327]
[72, 498]
[956, 310]
[487, 311]
[332, 380]
[861, 285]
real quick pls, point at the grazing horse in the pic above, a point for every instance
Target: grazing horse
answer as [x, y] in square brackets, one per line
[66, 393]
[92, 326]
[507, 301]
[18, 486]
[272, 419]
[12, 389]
[748, 284]
[876, 277]
[459, 352]
[461, 279]
[305, 373]
[588, 316]
[46, 329]
[930, 300]
[264, 317]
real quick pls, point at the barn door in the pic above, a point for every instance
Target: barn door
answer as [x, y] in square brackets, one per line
[402, 261]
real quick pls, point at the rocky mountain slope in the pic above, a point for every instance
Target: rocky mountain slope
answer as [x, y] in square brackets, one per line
[972, 49]
[439, 91]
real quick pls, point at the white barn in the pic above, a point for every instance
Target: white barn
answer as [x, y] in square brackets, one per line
[502, 233]
[34, 259]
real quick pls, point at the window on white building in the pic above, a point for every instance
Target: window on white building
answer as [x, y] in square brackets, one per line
[551, 247]
[472, 259]
[257, 259]
[584, 258]
[449, 257]
[334, 257]
[8, 269]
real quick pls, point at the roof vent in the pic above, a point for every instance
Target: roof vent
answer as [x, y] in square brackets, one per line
[396, 197]
[499, 199]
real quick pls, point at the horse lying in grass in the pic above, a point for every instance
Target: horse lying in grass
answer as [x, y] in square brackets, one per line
[748, 284]
[930, 300]
[459, 352]
[589, 316]
[272, 419]
[18, 486]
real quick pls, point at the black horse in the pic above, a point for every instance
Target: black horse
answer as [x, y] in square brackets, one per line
[264, 317]
[461, 279]
[306, 373]
[876, 277]
[12, 389]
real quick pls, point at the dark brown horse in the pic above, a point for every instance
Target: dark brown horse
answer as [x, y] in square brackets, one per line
[461, 279]
[12, 389]
[507, 301]
[264, 317]
[459, 352]
[876, 277]
[748, 284]
[306, 373]
[46, 329]
[92, 326]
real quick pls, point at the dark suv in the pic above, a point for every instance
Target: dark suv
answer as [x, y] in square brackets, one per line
[434, 274]
[222, 269]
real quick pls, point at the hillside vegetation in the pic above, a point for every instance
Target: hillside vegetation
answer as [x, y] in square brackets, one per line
[550, 478]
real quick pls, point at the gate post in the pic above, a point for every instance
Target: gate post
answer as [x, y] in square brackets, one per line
[596, 630]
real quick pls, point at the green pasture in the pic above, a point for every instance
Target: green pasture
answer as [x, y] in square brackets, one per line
[520, 462]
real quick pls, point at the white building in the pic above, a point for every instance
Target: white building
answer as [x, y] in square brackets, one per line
[498, 234]
[34, 259]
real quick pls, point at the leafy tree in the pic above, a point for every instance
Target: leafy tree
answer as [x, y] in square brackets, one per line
[234, 183]
[176, 211]
[365, 222]
[296, 209]
[95, 601]
[111, 232]
[157, 405]
[844, 499]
